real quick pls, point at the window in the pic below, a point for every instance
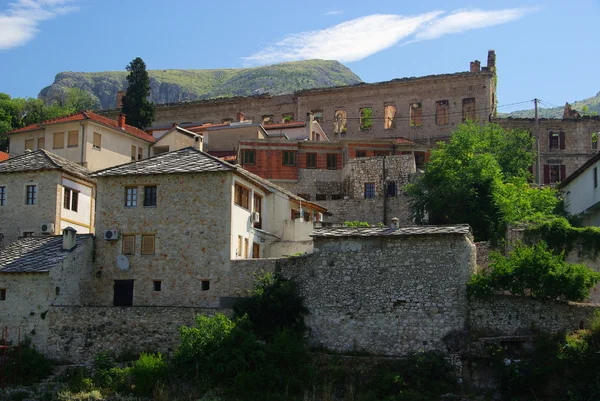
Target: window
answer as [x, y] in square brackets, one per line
[289, 158]
[2, 196]
[369, 190]
[133, 152]
[311, 160]
[246, 248]
[2, 294]
[255, 251]
[242, 196]
[41, 143]
[366, 118]
[382, 153]
[321, 197]
[419, 159]
[258, 209]
[554, 173]
[71, 199]
[31, 195]
[248, 156]
[156, 285]
[128, 245]
[340, 121]
[416, 115]
[305, 196]
[150, 195]
[556, 140]
[332, 161]
[442, 109]
[287, 117]
[268, 119]
[57, 291]
[59, 140]
[594, 139]
[391, 189]
[131, 197]
[73, 139]
[337, 196]
[295, 214]
[238, 251]
[27, 233]
[468, 109]
[390, 115]
[205, 285]
[595, 173]
[97, 141]
[147, 244]
[29, 144]
[318, 116]
[141, 153]
[361, 153]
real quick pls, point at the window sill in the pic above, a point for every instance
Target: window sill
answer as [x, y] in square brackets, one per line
[95, 148]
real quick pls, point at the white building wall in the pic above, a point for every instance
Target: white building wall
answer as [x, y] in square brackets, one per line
[582, 197]
[82, 219]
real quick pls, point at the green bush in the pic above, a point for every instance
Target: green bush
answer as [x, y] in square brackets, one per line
[148, 371]
[357, 223]
[536, 271]
[274, 305]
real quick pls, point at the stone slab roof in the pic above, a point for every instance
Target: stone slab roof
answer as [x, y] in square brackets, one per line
[461, 229]
[36, 254]
[43, 160]
[187, 160]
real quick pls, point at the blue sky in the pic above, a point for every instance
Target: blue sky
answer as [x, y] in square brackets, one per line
[544, 49]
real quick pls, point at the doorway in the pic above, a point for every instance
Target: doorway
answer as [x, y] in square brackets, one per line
[123, 293]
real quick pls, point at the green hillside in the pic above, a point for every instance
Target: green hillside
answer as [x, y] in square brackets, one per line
[169, 86]
[589, 106]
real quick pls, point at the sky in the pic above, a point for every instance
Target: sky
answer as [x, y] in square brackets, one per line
[545, 49]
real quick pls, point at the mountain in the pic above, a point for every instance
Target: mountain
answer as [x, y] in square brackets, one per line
[588, 106]
[170, 86]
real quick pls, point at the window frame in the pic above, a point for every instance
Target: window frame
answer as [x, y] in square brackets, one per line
[152, 200]
[239, 191]
[69, 136]
[133, 201]
[32, 141]
[332, 161]
[70, 199]
[156, 285]
[369, 190]
[246, 157]
[31, 200]
[54, 141]
[285, 158]
[594, 136]
[2, 195]
[123, 249]
[41, 139]
[391, 189]
[311, 160]
[146, 237]
[3, 294]
[99, 145]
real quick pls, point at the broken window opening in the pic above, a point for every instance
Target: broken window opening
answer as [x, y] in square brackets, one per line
[366, 118]
[287, 117]
[390, 115]
[469, 112]
[442, 109]
[318, 116]
[267, 119]
[339, 124]
[416, 115]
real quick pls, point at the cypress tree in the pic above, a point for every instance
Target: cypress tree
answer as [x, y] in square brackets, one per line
[139, 111]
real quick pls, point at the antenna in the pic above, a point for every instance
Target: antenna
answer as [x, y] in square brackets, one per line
[123, 262]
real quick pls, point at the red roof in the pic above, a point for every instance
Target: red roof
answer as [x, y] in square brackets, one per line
[404, 141]
[224, 155]
[3, 156]
[201, 128]
[294, 124]
[88, 115]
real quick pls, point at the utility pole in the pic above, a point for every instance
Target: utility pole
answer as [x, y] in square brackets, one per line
[537, 139]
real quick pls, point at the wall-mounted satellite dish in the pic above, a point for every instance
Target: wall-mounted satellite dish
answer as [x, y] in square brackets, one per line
[123, 262]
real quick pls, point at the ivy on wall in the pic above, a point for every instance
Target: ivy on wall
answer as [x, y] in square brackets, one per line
[560, 236]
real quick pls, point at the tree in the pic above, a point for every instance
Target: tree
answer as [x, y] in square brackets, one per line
[465, 179]
[139, 111]
[76, 99]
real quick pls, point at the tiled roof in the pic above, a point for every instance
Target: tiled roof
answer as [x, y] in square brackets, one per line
[187, 160]
[43, 160]
[294, 124]
[36, 254]
[462, 229]
[88, 115]
[225, 155]
[3, 156]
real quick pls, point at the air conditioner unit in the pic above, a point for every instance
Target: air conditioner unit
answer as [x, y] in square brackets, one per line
[47, 228]
[111, 235]
[255, 217]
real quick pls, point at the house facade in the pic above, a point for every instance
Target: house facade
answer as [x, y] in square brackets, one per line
[92, 140]
[169, 227]
[42, 194]
[581, 192]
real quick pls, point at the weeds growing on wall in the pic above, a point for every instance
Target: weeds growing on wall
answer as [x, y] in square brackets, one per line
[357, 223]
[561, 235]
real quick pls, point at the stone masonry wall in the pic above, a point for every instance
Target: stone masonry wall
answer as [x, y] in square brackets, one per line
[510, 315]
[363, 170]
[384, 295]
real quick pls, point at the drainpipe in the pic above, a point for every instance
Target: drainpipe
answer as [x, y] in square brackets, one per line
[83, 144]
[385, 198]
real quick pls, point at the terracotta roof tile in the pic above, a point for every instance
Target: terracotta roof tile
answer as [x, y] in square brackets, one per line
[293, 124]
[3, 156]
[88, 115]
[224, 155]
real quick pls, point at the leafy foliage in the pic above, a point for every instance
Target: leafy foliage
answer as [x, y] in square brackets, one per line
[137, 107]
[537, 271]
[562, 236]
[147, 372]
[465, 179]
[356, 223]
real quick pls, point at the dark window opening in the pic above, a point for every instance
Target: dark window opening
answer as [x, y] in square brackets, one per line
[361, 153]
[2, 196]
[31, 195]
[419, 159]
[57, 291]
[150, 196]
[2, 294]
[595, 177]
[289, 158]
[156, 285]
[205, 285]
[369, 190]
[391, 189]
[337, 197]
[332, 161]
[248, 156]
[123, 293]
[321, 197]
[311, 160]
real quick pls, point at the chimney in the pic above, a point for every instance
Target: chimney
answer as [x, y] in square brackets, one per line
[120, 95]
[122, 118]
[491, 61]
[310, 118]
[475, 66]
[173, 125]
[395, 223]
[69, 238]
[239, 116]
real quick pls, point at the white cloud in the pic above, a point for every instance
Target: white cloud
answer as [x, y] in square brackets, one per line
[361, 37]
[334, 12]
[19, 23]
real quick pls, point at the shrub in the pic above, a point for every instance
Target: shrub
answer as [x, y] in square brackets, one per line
[148, 371]
[536, 271]
[356, 223]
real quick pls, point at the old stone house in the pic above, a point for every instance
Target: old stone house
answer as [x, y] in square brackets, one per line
[169, 226]
[87, 138]
[39, 272]
[42, 193]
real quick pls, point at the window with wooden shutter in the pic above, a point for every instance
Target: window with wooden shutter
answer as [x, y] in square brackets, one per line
[562, 140]
[41, 143]
[147, 244]
[133, 152]
[97, 141]
[59, 140]
[242, 196]
[553, 140]
[129, 245]
[140, 153]
[563, 172]
[29, 144]
[331, 161]
[311, 160]
[546, 174]
[73, 139]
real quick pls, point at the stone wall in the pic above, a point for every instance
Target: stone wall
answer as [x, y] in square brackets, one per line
[386, 295]
[363, 170]
[509, 315]
[369, 210]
